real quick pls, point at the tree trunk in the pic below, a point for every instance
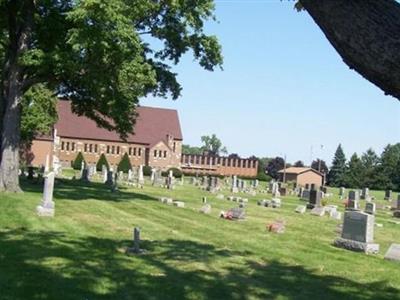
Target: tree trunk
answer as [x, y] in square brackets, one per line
[20, 25]
[366, 34]
[10, 140]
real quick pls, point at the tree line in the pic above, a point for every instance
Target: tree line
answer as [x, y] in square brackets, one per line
[368, 170]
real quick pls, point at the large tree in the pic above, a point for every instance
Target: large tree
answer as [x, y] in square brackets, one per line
[213, 145]
[366, 35]
[320, 165]
[100, 54]
[274, 166]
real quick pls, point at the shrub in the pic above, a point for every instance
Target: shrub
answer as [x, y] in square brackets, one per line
[77, 163]
[102, 162]
[125, 164]
[146, 170]
[263, 177]
[177, 173]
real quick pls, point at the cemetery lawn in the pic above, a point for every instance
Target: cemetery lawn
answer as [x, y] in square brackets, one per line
[80, 253]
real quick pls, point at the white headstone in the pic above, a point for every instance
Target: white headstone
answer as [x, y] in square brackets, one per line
[46, 207]
[140, 175]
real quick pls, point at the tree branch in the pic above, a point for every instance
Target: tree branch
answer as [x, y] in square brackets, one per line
[366, 34]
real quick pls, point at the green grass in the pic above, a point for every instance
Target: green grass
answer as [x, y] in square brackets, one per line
[80, 253]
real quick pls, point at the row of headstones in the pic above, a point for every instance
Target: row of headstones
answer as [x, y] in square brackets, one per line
[364, 194]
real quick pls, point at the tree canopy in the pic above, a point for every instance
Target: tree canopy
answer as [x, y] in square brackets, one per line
[213, 145]
[99, 54]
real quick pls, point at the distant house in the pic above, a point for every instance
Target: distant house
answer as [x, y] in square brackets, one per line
[302, 176]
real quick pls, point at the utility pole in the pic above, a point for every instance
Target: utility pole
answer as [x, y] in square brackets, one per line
[284, 169]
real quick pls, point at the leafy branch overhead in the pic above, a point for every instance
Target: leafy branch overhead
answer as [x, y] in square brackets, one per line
[101, 54]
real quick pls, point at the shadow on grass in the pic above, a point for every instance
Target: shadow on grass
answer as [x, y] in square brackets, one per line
[68, 189]
[49, 265]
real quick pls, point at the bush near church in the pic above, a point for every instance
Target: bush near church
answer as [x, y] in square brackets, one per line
[125, 164]
[102, 162]
[146, 170]
[77, 163]
[177, 173]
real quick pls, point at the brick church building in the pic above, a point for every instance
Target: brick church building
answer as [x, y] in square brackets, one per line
[156, 142]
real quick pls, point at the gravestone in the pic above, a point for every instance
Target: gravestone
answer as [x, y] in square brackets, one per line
[365, 194]
[283, 191]
[318, 211]
[255, 183]
[220, 197]
[85, 174]
[237, 213]
[370, 208]
[312, 187]
[275, 188]
[330, 209]
[301, 190]
[47, 206]
[140, 175]
[396, 203]
[165, 200]
[306, 195]
[234, 188]
[358, 232]
[277, 227]
[353, 201]
[206, 209]
[130, 175]
[179, 204]
[276, 194]
[110, 178]
[354, 195]
[136, 243]
[342, 191]
[301, 209]
[388, 195]
[393, 252]
[104, 173]
[335, 215]
[315, 199]
[276, 203]
[153, 175]
[353, 204]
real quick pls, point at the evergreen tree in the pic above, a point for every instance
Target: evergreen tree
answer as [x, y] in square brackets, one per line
[338, 169]
[354, 175]
[370, 161]
[77, 163]
[387, 169]
[125, 164]
[102, 161]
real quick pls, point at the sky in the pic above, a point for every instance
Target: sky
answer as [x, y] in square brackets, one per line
[283, 90]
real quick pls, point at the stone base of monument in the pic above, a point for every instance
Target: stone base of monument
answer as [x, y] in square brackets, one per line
[234, 190]
[134, 251]
[369, 248]
[44, 211]
[310, 206]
